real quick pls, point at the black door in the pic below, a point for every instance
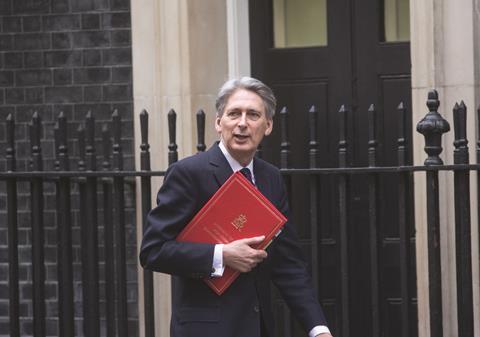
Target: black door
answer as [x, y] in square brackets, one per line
[360, 60]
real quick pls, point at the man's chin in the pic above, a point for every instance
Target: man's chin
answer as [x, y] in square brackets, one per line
[241, 153]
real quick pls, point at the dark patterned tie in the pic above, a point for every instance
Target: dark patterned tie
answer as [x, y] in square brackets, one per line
[246, 172]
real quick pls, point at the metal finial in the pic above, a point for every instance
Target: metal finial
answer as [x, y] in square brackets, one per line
[432, 127]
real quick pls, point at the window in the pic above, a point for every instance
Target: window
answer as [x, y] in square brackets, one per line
[396, 21]
[299, 23]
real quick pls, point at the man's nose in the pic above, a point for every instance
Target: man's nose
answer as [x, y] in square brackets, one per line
[243, 119]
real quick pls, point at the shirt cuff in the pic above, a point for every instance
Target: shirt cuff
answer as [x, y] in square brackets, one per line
[318, 330]
[217, 265]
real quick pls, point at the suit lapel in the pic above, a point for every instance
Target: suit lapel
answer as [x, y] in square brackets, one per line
[261, 178]
[219, 164]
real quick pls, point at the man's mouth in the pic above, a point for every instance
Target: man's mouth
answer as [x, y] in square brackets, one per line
[240, 137]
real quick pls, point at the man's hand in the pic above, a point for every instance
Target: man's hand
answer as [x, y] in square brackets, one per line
[240, 256]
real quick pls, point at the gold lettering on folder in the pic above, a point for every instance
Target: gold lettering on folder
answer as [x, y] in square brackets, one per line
[239, 222]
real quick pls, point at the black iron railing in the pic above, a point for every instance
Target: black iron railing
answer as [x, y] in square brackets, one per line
[107, 185]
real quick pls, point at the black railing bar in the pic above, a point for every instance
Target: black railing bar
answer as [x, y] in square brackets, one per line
[351, 170]
[79, 174]
[384, 169]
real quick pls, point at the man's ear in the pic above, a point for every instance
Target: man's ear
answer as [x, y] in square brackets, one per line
[269, 127]
[217, 125]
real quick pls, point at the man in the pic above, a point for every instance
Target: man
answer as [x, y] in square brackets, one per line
[245, 109]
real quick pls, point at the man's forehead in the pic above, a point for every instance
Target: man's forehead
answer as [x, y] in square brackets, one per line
[240, 96]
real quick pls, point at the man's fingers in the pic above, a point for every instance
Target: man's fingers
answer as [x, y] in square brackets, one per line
[241, 256]
[260, 255]
[255, 240]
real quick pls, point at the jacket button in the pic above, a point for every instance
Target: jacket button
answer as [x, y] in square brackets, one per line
[256, 308]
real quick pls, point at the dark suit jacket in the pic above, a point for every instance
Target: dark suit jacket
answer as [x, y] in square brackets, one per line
[196, 309]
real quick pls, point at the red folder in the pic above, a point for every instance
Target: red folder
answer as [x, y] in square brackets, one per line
[236, 211]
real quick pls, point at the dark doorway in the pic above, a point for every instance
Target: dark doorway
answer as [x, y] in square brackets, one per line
[352, 52]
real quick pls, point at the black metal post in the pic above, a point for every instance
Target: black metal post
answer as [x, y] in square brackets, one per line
[64, 235]
[38, 258]
[372, 214]
[91, 312]
[433, 126]
[404, 231]
[313, 182]
[343, 219]
[148, 292]
[462, 225]
[13, 292]
[285, 163]
[201, 131]
[119, 220]
[108, 236]
[172, 146]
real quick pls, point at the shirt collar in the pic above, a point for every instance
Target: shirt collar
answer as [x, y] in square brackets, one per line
[234, 164]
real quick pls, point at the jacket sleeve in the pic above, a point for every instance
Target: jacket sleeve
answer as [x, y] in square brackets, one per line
[290, 274]
[177, 203]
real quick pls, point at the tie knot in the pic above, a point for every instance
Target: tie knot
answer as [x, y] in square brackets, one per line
[246, 172]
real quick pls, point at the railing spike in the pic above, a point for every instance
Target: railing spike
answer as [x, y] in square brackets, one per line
[10, 151]
[90, 142]
[372, 134]
[342, 143]
[81, 147]
[144, 127]
[285, 144]
[106, 142]
[117, 140]
[62, 142]
[460, 131]
[313, 144]
[56, 138]
[401, 141]
[35, 135]
[201, 130]
[172, 146]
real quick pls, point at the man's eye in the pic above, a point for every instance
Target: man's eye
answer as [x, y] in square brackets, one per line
[233, 114]
[254, 115]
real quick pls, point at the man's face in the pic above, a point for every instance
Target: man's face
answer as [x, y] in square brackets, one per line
[243, 125]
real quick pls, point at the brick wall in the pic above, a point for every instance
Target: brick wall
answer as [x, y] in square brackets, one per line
[71, 56]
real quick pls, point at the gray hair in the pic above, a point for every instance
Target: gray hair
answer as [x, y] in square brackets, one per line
[247, 83]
